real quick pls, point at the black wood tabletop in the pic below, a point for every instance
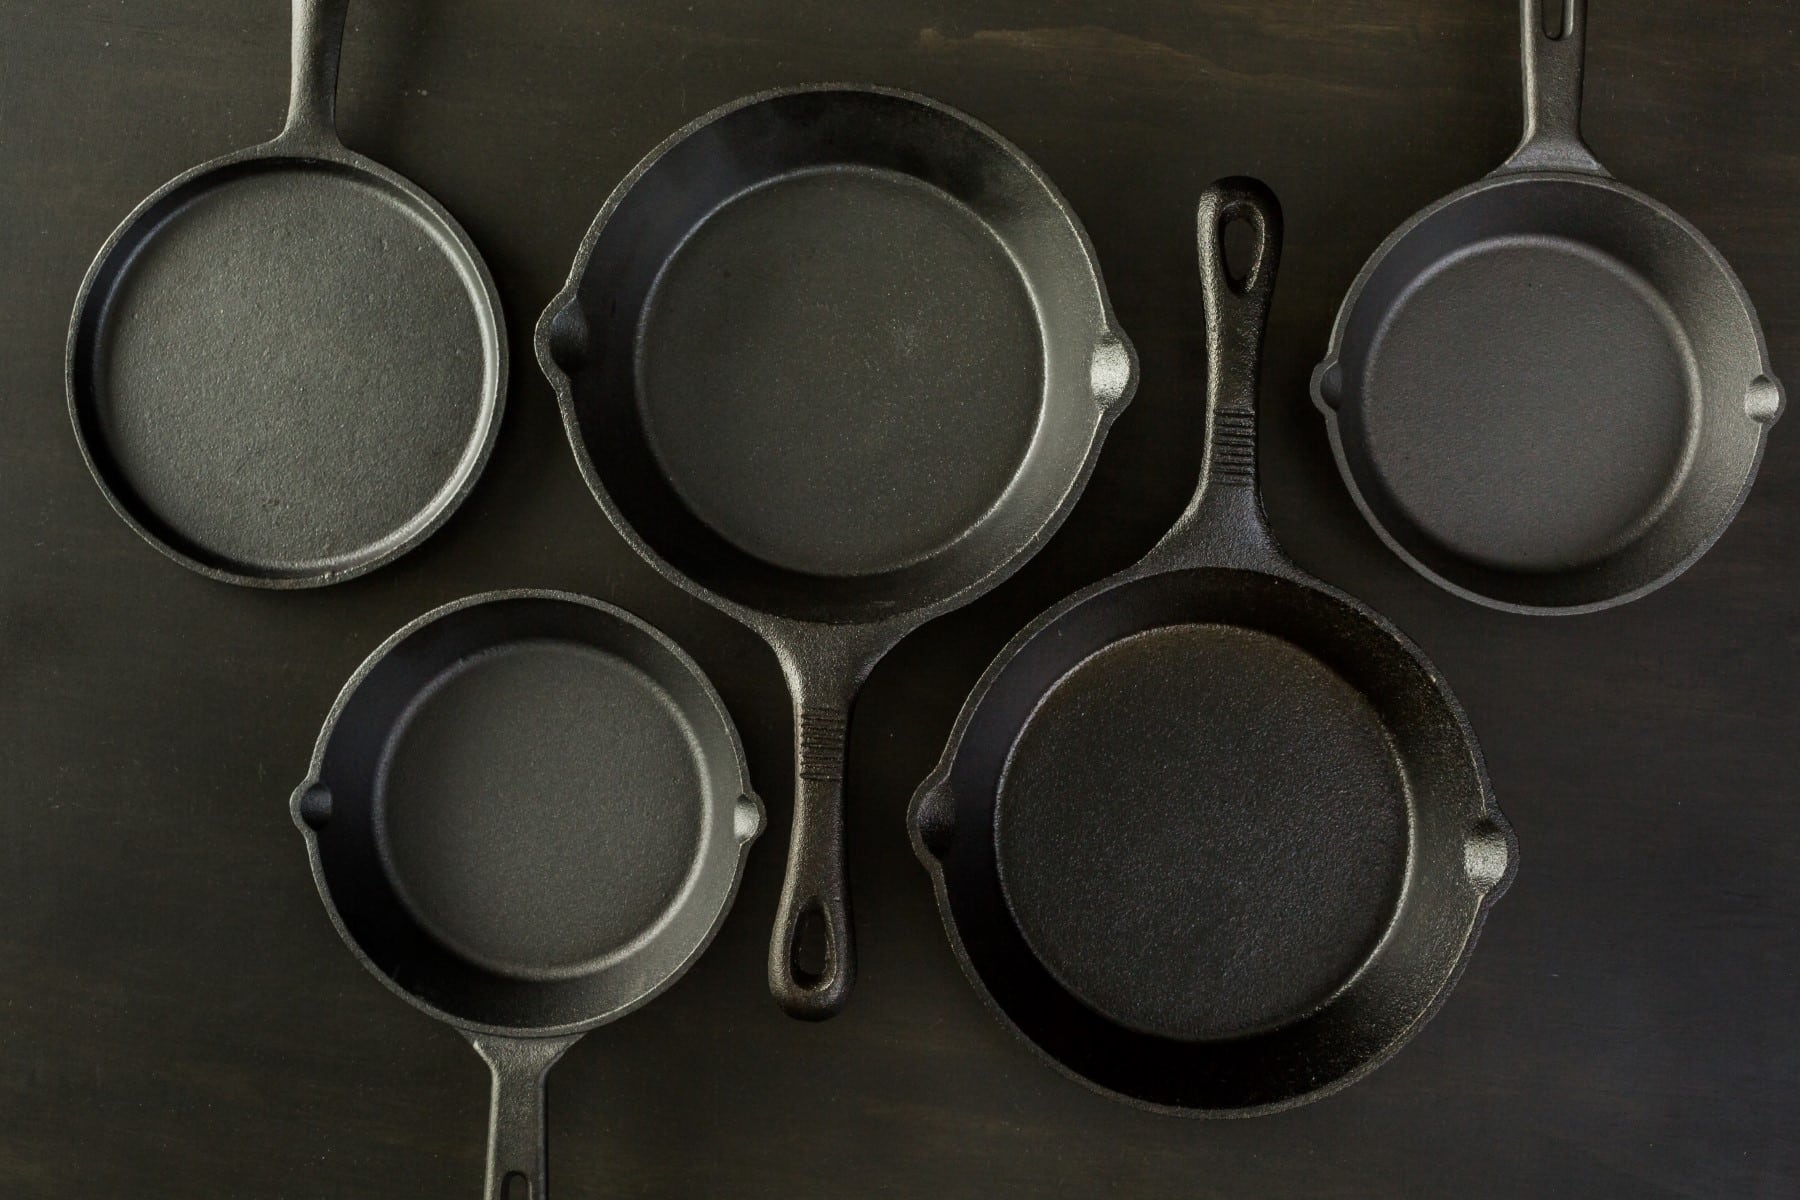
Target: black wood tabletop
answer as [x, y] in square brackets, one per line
[177, 1017]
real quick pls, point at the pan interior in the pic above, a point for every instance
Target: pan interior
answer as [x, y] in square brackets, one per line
[1530, 404]
[540, 808]
[1203, 831]
[286, 368]
[840, 370]
[1213, 839]
[1548, 392]
[838, 354]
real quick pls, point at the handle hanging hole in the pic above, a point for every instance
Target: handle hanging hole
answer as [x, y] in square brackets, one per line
[515, 1187]
[1558, 18]
[811, 954]
[1240, 248]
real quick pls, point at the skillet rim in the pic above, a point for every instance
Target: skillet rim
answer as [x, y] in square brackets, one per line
[1318, 386]
[743, 833]
[934, 791]
[894, 623]
[289, 150]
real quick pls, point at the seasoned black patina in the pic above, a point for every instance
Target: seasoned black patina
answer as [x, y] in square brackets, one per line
[527, 814]
[287, 366]
[1547, 392]
[835, 360]
[1213, 837]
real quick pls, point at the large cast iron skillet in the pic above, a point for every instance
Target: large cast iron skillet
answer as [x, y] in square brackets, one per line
[1212, 836]
[287, 366]
[834, 360]
[1547, 392]
[527, 814]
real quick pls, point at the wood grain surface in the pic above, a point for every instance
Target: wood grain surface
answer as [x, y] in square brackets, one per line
[177, 1018]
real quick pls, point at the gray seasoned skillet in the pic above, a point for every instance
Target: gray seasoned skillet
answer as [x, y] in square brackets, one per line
[834, 360]
[1213, 837]
[527, 814]
[1547, 392]
[287, 366]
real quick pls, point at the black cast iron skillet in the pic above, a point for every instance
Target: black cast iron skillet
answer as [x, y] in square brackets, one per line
[287, 366]
[1547, 392]
[527, 814]
[834, 360]
[1213, 837]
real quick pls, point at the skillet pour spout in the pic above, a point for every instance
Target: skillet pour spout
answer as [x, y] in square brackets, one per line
[1213, 837]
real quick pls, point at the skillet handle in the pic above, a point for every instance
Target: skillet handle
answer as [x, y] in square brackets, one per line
[812, 952]
[1552, 68]
[812, 957]
[1224, 523]
[318, 42]
[517, 1139]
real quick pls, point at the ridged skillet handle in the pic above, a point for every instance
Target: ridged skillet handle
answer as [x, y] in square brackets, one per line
[823, 673]
[318, 43]
[1224, 523]
[815, 896]
[517, 1148]
[1552, 72]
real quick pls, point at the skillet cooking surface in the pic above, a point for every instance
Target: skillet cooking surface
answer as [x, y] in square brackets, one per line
[287, 368]
[1202, 830]
[540, 807]
[1530, 403]
[845, 341]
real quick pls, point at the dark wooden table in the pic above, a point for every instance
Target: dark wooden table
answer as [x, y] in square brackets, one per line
[177, 1018]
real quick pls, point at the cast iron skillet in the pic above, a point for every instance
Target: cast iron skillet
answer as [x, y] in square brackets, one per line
[1213, 837]
[834, 360]
[287, 366]
[527, 814]
[1547, 392]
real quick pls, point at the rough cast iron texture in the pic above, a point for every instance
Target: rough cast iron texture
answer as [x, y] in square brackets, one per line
[287, 366]
[1547, 392]
[835, 360]
[1213, 837]
[181, 1023]
[527, 814]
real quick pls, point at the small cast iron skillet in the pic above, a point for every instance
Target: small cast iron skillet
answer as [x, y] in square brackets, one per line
[1213, 837]
[835, 361]
[1547, 392]
[527, 814]
[287, 366]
